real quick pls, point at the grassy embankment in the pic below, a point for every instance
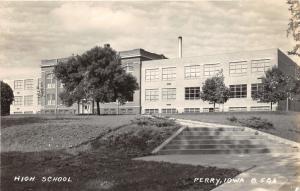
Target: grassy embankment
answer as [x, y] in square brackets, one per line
[282, 124]
[95, 152]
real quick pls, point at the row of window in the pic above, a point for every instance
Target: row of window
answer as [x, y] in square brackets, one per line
[194, 71]
[198, 110]
[23, 84]
[193, 93]
[28, 100]
[51, 81]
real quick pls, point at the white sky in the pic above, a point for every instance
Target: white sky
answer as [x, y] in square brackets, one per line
[32, 31]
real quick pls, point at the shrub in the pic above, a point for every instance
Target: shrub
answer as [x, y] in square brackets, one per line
[256, 123]
[154, 121]
[232, 119]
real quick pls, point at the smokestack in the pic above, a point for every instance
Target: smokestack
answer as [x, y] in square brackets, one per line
[180, 47]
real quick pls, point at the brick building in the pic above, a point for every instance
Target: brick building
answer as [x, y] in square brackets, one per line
[131, 61]
[174, 85]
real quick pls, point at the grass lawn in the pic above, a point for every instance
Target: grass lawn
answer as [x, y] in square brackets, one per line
[285, 125]
[95, 152]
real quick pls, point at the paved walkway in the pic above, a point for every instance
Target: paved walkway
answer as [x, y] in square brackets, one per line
[285, 168]
[260, 172]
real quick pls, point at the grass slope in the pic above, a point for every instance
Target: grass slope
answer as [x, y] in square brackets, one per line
[285, 125]
[100, 159]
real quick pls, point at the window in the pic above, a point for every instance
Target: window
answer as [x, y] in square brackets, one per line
[169, 73]
[151, 94]
[237, 108]
[128, 68]
[130, 98]
[18, 84]
[260, 65]
[151, 111]
[255, 88]
[169, 111]
[50, 81]
[211, 69]
[169, 93]
[192, 93]
[130, 111]
[238, 91]
[28, 100]
[191, 110]
[211, 109]
[28, 112]
[18, 100]
[123, 111]
[260, 108]
[60, 84]
[28, 84]
[113, 111]
[151, 74]
[39, 100]
[50, 99]
[192, 72]
[238, 67]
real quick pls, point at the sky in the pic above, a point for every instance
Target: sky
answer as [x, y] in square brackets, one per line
[33, 31]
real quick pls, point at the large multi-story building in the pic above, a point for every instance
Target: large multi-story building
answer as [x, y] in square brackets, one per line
[26, 96]
[174, 85]
[166, 85]
[131, 61]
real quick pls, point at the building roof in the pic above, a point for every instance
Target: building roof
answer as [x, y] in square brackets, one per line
[140, 53]
[124, 54]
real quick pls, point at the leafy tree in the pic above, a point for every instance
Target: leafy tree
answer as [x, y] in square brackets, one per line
[107, 80]
[96, 75]
[214, 90]
[275, 87]
[294, 25]
[7, 97]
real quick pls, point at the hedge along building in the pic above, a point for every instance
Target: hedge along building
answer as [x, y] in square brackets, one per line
[174, 85]
[131, 61]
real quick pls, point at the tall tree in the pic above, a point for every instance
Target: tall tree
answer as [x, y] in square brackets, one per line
[214, 90]
[7, 97]
[294, 25]
[107, 80]
[96, 75]
[274, 88]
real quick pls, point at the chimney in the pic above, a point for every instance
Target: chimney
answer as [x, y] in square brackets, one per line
[180, 47]
[106, 45]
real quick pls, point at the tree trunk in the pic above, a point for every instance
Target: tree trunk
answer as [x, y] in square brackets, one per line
[214, 106]
[271, 106]
[98, 108]
[78, 102]
[82, 107]
[93, 111]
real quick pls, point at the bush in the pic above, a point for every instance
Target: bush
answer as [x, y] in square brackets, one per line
[232, 119]
[141, 136]
[154, 121]
[256, 123]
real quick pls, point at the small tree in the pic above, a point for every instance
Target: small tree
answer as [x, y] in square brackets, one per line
[7, 97]
[275, 87]
[214, 90]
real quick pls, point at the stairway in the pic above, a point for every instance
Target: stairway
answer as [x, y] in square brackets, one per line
[223, 140]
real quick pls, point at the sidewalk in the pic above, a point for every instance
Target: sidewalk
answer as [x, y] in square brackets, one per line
[283, 170]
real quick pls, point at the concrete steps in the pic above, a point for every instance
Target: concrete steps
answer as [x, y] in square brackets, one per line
[226, 140]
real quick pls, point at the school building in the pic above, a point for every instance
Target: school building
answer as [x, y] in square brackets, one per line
[26, 96]
[174, 85]
[51, 103]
